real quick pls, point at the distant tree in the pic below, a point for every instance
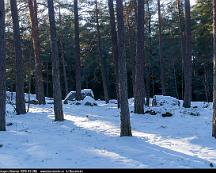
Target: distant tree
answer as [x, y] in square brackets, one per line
[77, 51]
[162, 66]
[36, 45]
[214, 61]
[101, 56]
[2, 68]
[114, 44]
[20, 100]
[139, 95]
[182, 38]
[63, 53]
[55, 65]
[188, 58]
[123, 89]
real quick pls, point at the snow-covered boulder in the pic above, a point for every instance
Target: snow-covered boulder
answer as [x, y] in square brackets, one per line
[89, 101]
[71, 96]
[29, 98]
[113, 101]
[160, 100]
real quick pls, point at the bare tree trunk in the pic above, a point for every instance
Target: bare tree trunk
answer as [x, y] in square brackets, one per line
[175, 80]
[132, 7]
[77, 52]
[123, 88]
[2, 68]
[55, 65]
[148, 64]
[162, 78]
[101, 57]
[214, 75]
[47, 78]
[63, 55]
[36, 45]
[206, 84]
[188, 58]
[139, 96]
[114, 45]
[20, 100]
[182, 33]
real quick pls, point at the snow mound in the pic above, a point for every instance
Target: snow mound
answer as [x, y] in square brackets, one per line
[167, 101]
[29, 98]
[113, 101]
[71, 96]
[89, 101]
[190, 111]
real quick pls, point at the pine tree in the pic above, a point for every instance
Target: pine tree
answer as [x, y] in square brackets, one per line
[188, 58]
[114, 44]
[182, 33]
[36, 45]
[162, 78]
[63, 53]
[55, 65]
[214, 76]
[139, 95]
[2, 68]
[123, 90]
[20, 100]
[101, 56]
[77, 51]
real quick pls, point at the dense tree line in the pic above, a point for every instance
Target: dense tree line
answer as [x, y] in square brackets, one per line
[119, 49]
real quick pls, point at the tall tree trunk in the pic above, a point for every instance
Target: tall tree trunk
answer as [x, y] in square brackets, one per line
[123, 88]
[47, 79]
[182, 33]
[131, 35]
[101, 57]
[162, 78]
[188, 58]
[2, 68]
[175, 80]
[77, 52]
[206, 84]
[36, 45]
[63, 55]
[214, 75]
[148, 64]
[139, 62]
[20, 100]
[114, 45]
[55, 65]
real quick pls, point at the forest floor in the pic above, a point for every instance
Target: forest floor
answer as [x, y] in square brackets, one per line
[89, 138]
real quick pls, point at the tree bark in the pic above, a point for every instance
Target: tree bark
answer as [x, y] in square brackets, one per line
[139, 96]
[182, 33]
[114, 45]
[148, 64]
[36, 45]
[101, 57]
[188, 58]
[55, 65]
[162, 78]
[2, 68]
[20, 100]
[123, 88]
[63, 55]
[214, 75]
[77, 52]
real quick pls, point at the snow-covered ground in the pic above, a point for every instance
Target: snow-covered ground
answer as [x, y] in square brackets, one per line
[89, 138]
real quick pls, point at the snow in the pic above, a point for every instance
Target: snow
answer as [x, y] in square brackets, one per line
[71, 96]
[89, 101]
[89, 138]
